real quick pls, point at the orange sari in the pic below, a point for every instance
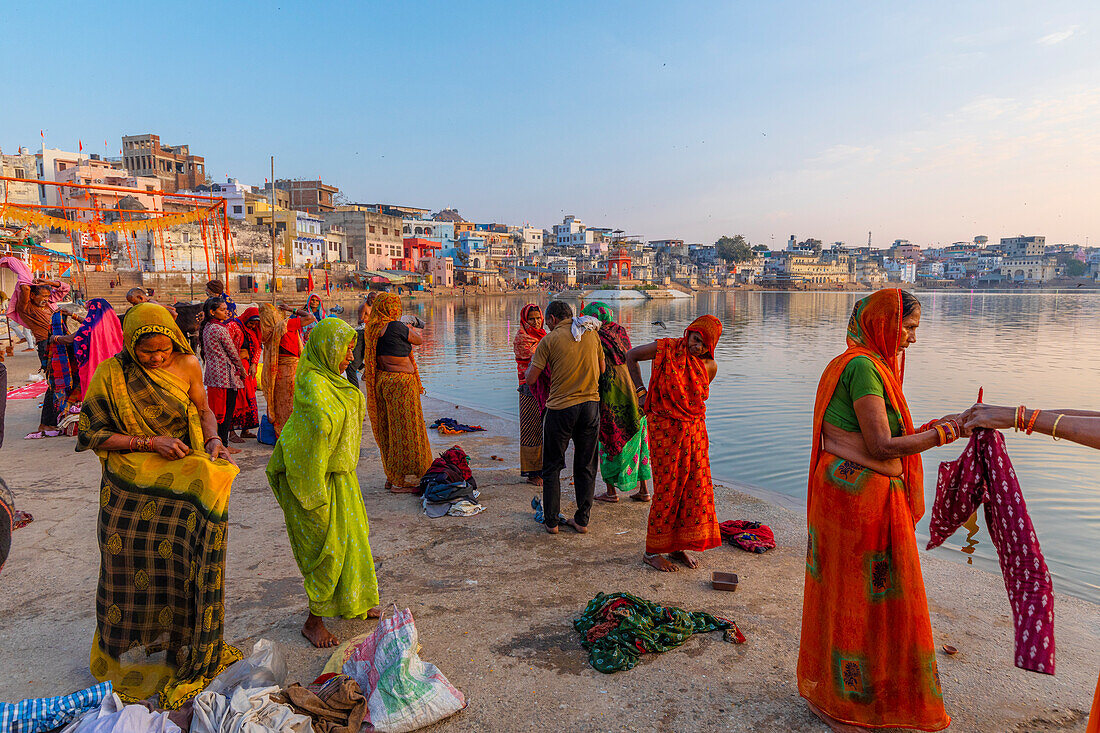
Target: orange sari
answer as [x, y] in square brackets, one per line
[867, 656]
[682, 516]
[1094, 717]
[393, 402]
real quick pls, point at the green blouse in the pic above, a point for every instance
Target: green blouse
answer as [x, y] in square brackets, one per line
[859, 379]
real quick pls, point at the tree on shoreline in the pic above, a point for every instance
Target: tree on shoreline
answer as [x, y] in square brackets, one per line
[734, 249]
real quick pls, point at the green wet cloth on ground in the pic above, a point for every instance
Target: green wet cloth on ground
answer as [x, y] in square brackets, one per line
[619, 627]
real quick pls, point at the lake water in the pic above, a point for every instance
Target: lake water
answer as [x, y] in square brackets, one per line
[1039, 349]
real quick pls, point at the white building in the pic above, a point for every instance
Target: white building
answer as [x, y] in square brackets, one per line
[572, 232]
[309, 244]
[532, 240]
[232, 191]
[427, 228]
[51, 162]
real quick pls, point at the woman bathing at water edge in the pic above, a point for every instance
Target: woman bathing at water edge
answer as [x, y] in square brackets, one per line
[682, 516]
[531, 407]
[865, 495]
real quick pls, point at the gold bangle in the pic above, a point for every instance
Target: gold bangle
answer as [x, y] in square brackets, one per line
[1054, 430]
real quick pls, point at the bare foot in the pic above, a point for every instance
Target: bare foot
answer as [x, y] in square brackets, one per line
[534, 480]
[684, 559]
[231, 449]
[832, 722]
[611, 497]
[578, 528]
[375, 612]
[320, 637]
[551, 530]
[234, 438]
[660, 562]
[248, 434]
[641, 496]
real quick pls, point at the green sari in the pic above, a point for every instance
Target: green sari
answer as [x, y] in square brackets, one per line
[312, 473]
[624, 443]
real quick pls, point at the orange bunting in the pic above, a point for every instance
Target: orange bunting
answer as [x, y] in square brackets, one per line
[37, 218]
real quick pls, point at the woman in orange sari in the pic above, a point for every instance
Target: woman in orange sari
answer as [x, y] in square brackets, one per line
[392, 385]
[867, 658]
[682, 516]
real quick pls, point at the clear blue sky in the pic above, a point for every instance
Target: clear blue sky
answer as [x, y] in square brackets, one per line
[932, 121]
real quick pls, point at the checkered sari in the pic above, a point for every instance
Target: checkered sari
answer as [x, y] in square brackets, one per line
[162, 535]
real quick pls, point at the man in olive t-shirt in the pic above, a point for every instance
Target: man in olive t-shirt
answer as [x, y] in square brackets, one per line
[572, 412]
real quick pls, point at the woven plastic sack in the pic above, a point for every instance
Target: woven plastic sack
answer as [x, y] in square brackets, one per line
[403, 691]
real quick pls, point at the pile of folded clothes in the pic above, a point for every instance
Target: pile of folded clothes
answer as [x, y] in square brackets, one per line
[448, 487]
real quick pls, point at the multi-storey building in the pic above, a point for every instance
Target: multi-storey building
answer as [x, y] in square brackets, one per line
[23, 164]
[373, 239]
[1022, 246]
[235, 193]
[312, 197]
[172, 165]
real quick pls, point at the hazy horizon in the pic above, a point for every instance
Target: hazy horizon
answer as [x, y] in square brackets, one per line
[933, 123]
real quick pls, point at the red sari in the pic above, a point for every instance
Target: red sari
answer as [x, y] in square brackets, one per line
[246, 414]
[682, 516]
[867, 657]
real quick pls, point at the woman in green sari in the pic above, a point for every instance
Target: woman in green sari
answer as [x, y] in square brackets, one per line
[624, 443]
[312, 472]
[163, 516]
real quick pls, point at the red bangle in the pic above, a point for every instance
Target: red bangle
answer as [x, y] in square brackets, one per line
[942, 436]
[1031, 424]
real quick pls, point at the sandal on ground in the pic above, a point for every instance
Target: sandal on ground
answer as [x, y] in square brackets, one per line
[609, 498]
[40, 434]
[642, 497]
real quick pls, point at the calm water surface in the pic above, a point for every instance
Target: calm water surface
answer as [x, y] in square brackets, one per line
[1037, 348]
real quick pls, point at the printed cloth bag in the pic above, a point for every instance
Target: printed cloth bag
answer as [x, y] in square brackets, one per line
[403, 692]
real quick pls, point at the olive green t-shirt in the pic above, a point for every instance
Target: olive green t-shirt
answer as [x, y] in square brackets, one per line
[574, 366]
[859, 379]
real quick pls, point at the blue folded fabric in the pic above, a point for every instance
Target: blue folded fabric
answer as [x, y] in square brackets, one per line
[40, 714]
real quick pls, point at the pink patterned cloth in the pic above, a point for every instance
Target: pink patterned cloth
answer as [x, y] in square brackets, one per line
[24, 276]
[983, 474]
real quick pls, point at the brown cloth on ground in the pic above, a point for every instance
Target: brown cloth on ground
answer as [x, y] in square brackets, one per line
[338, 706]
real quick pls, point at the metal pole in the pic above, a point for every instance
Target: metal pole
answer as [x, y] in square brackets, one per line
[274, 259]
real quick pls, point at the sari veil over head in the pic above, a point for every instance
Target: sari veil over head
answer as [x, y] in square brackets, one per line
[312, 474]
[386, 309]
[874, 330]
[162, 528]
[866, 655]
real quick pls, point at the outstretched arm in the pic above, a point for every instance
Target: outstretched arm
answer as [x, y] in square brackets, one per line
[638, 354]
[1079, 426]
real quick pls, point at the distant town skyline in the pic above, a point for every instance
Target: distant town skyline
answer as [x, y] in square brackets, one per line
[932, 122]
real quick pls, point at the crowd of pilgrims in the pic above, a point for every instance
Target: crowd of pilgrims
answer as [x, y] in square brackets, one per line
[164, 423]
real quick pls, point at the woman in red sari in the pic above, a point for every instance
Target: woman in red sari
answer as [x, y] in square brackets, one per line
[867, 658]
[528, 335]
[249, 341]
[682, 516]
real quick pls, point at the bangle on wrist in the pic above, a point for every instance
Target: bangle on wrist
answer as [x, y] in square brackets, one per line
[1031, 423]
[1054, 430]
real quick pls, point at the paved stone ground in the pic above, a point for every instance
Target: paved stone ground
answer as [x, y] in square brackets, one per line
[494, 598]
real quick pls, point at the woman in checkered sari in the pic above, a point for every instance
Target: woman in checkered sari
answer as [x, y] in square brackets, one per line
[163, 516]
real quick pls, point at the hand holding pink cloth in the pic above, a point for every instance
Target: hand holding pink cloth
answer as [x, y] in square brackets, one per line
[983, 474]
